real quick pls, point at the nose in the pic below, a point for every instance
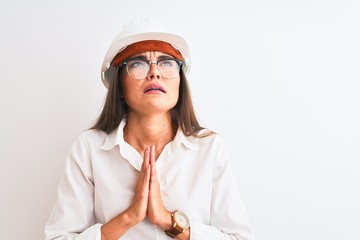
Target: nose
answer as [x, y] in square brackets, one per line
[154, 72]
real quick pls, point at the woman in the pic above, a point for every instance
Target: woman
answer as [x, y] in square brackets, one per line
[147, 169]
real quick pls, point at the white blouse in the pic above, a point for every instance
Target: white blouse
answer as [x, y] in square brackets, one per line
[101, 172]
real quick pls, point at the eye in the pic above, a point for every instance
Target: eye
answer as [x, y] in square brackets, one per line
[167, 63]
[137, 64]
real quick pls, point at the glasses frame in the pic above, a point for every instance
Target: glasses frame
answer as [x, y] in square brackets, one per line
[179, 62]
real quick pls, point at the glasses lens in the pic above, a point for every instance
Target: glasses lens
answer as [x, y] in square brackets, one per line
[137, 69]
[169, 68]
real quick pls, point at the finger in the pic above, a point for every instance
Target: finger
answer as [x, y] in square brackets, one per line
[146, 160]
[143, 183]
[153, 164]
[154, 188]
[146, 165]
[152, 155]
[144, 177]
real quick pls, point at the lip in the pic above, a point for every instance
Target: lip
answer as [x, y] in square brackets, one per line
[154, 88]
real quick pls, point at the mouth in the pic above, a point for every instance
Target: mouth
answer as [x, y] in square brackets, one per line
[154, 88]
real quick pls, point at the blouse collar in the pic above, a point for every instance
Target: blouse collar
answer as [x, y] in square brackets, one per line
[116, 137]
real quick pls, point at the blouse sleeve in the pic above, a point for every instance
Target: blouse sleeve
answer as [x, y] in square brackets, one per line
[229, 218]
[72, 217]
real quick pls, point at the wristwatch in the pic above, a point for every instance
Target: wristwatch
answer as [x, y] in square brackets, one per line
[180, 222]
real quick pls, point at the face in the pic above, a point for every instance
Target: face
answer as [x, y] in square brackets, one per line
[154, 93]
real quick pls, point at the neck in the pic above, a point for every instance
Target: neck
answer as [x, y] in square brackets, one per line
[143, 131]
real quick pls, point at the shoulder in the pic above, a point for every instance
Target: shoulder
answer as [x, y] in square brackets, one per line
[207, 139]
[210, 148]
[85, 145]
[91, 137]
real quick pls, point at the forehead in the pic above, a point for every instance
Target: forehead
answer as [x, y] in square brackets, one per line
[152, 54]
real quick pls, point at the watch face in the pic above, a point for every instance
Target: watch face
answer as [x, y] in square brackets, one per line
[181, 219]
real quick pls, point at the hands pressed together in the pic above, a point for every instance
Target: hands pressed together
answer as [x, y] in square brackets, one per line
[147, 199]
[147, 202]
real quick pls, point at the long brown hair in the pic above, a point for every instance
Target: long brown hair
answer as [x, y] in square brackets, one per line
[115, 109]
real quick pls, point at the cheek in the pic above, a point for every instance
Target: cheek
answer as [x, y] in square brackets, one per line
[131, 90]
[175, 88]
[175, 93]
[128, 85]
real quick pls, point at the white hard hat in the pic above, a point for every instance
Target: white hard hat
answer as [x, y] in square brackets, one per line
[141, 30]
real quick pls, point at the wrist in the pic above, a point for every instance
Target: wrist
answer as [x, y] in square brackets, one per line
[180, 226]
[117, 226]
[131, 218]
[165, 222]
[184, 235]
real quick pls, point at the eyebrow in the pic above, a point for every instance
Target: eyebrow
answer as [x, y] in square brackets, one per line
[142, 57]
[165, 57]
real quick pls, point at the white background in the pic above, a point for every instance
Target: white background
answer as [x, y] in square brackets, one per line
[278, 80]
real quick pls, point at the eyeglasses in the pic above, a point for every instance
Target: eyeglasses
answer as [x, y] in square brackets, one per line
[139, 69]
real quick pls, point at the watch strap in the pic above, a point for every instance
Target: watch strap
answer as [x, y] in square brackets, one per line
[175, 229]
[173, 232]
